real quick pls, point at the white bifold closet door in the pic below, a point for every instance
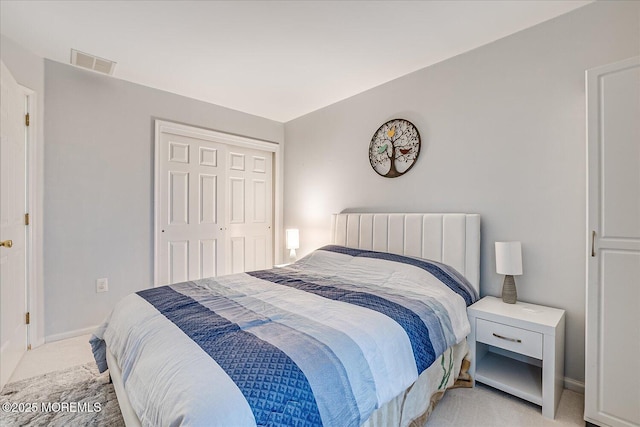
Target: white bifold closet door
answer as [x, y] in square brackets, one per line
[214, 205]
[250, 210]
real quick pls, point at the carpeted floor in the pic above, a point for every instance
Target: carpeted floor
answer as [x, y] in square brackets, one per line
[483, 406]
[77, 396]
[86, 389]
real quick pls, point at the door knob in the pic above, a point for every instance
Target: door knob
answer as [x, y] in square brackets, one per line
[7, 243]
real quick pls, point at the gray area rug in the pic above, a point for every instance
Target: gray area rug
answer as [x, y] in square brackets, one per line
[70, 397]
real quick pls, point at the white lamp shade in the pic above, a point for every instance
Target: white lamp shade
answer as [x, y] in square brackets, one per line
[509, 258]
[293, 238]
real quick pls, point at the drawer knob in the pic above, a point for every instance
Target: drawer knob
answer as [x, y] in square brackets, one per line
[506, 338]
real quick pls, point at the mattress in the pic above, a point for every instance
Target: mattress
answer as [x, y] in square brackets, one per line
[329, 340]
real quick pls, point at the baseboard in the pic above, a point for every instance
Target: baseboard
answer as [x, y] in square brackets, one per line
[574, 385]
[70, 334]
[37, 342]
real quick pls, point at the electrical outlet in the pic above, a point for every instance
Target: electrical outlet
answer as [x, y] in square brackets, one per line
[102, 285]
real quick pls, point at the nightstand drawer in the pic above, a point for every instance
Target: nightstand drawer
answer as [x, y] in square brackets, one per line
[510, 338]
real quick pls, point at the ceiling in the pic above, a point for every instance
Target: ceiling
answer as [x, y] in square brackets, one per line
[275, 59]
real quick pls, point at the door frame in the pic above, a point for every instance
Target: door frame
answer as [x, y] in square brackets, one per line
[163, 126]
[34, 303]
[34, 298]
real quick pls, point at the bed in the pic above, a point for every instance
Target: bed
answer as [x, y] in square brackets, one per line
[369, 330]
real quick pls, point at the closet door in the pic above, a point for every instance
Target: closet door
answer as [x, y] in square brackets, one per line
[190, 216]
[249, 209]
[612, 380]
[214, 203]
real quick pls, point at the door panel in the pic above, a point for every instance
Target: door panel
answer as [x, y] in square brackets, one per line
[178, 198]
[620, 297]
[178, 153]
[250, 208]
[236, 200]
[191, 209]
[620, 107]
[208, 157]
[13, 330]
[236, 160]
[260, 257]
[613, 255]
[178, 261]
[237, 254]
[214, 206]
[208, 255]
[259, 201]
[208, 199]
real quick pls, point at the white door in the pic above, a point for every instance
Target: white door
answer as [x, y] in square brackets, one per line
[612, 380]
[13, 329]
[250, 210]
[191, 215]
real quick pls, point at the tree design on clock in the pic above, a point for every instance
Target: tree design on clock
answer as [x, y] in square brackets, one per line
[394, 148]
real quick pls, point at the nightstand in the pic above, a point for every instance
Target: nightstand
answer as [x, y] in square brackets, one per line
[519, 349]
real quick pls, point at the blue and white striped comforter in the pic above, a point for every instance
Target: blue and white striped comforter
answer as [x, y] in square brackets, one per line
[324, 341]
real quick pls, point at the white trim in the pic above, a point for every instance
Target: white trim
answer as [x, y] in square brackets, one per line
[70, 334]
[278, 205]
[215, 136]
[162, 126]
[156, 198]
[33, 256]
[37, 342]
[574, 385]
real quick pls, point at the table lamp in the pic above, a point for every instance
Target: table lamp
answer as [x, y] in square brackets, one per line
[509, 263]
[293, 242]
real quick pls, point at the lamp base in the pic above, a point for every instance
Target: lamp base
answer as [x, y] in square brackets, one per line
[292, 255]
[509, 293]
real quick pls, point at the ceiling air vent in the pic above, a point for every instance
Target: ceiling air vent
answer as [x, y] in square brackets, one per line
[92, 62]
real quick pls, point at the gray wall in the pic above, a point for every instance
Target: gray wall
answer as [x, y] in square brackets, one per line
[99, 186]
[28, 70]
[503, 130]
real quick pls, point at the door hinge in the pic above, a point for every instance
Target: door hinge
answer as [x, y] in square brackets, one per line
[26, 219]
[27, 318]
[26, 119]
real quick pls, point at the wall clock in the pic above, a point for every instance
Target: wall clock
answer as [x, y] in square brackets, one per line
[394, 148]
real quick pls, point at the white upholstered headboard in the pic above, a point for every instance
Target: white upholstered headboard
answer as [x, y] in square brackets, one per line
[450, 238]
